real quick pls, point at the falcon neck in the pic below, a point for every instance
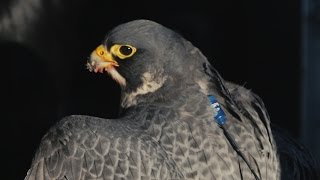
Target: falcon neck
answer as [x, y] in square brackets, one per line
[170, 91]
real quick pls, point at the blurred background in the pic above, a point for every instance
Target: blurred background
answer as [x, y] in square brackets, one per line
[271, 47]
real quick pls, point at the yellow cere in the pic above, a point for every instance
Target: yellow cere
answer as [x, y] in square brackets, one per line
[102, 52]
[120, 51]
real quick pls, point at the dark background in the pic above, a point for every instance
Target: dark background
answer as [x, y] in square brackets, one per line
[257, 44]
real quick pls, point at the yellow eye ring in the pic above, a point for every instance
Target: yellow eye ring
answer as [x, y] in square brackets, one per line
[123, 51]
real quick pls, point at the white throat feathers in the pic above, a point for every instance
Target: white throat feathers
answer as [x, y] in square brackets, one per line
[150, 84]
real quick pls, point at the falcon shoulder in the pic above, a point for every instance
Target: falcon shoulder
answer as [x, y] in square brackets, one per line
[253, 108]
[248, 127]
[84, 147]
[296, 161]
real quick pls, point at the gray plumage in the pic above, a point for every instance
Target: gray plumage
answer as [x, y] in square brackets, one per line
[166, 129]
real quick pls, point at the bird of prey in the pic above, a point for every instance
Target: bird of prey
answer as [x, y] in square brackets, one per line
[179, 119]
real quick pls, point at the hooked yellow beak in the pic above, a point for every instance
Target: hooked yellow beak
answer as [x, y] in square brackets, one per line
[100, 60]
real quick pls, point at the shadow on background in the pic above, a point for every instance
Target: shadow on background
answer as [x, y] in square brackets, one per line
[30, 107]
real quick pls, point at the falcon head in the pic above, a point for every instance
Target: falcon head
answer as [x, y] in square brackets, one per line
[144, 57]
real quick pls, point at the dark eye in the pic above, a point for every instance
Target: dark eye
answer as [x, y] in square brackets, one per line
[125, 50]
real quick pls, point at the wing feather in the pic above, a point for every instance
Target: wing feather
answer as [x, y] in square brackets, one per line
[83, 147]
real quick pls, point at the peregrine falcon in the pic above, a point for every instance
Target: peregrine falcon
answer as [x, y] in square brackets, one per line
[179, 119]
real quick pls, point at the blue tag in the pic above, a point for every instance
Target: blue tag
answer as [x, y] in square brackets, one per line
[218, 113]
